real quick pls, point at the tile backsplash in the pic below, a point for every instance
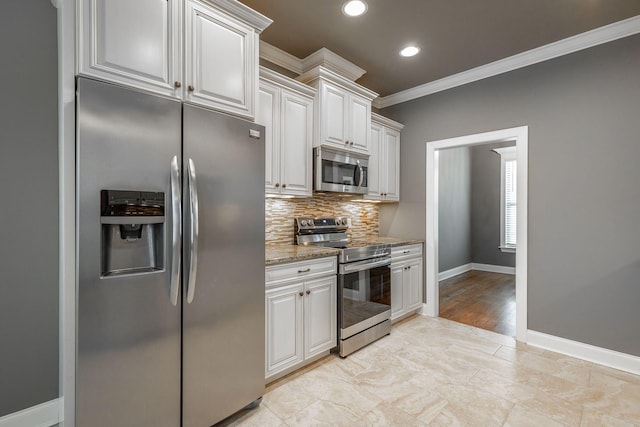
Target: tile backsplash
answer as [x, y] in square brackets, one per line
[279, 215]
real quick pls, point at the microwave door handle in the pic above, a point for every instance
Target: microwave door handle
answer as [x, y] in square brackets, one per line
[193, 237]
[361, 173]
[176, 240]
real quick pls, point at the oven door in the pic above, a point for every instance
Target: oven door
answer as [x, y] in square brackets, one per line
[364, 295]
[340, 172]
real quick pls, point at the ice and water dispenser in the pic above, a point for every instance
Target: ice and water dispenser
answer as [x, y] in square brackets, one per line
[132, 238]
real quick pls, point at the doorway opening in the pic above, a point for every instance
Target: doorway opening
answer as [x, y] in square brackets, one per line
[519, 136]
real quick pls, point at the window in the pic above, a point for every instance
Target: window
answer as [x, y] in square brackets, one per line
[508, 198]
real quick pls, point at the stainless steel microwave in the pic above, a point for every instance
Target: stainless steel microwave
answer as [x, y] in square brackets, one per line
[339, 171]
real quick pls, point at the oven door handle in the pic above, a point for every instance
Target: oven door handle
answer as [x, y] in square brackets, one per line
[363, 265]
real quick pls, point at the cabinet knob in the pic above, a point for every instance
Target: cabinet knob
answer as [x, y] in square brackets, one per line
[284, 185]
[277, 185]
[177, 85]
[190, 88]
[301, 293]
[351, 143]
[308, 291]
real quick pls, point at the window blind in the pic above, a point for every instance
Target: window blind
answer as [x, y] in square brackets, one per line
[510, 202]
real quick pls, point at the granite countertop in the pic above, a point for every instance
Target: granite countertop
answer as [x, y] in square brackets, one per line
[393, 241]
[278, 254]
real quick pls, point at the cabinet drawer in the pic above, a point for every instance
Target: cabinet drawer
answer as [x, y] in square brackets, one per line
[300, 270]
[408, 251]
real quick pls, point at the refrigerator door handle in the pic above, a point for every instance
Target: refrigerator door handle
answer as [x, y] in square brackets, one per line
[177, 230]
[193, 237]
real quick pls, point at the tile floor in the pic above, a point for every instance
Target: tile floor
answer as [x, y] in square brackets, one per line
[437, 372]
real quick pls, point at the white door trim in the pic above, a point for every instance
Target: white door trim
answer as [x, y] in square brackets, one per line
[520, 135]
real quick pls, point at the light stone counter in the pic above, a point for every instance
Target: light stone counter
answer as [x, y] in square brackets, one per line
[278, 254]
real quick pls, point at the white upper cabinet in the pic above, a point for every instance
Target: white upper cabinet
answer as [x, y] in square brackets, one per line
[286, 110]
[384, 162]
[135, 43]
[204, 52]
[343, 111]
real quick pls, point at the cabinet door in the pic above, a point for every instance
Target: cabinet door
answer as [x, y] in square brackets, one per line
[413, 284]
[359, 123]
[333, 119]
[398, 305]
[375, 163]
[391, 156]
[320, 315]
[296, 133]
[284, 346]
[134, 43]
[220, 61]
[267, 113]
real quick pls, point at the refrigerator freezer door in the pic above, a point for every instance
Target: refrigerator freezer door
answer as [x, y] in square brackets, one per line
[128, 351]
[223, 325]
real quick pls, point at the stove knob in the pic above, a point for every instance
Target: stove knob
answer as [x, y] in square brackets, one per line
[303, 222]
[311, 222]
[340, 221]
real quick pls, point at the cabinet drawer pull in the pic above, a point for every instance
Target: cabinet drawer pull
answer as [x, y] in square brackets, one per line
[406, 252]
[306, 270]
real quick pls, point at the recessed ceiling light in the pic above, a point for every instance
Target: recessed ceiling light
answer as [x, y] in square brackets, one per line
[354, 8]
[409, 51]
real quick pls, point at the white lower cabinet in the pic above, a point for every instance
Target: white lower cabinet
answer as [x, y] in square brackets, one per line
[406, 280]
[301, 315]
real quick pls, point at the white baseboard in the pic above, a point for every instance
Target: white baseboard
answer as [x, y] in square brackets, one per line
[43, 415]
[443, 275]
[493, 268]
[602, 356]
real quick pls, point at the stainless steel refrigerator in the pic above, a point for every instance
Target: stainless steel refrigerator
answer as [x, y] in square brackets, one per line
[170, 236]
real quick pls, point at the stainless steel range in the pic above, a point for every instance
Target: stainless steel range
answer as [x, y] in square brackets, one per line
[364, 281]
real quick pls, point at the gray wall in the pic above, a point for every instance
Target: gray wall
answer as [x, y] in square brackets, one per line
[454, 208]
[584, 204]
[29, 176]
[485, 206]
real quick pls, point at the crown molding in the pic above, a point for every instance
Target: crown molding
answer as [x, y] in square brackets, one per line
[385, 121]
[284, 81]
[244, 13]
[598, 36]
[334, 62]
[322, 73]
[322, 57]
[280, 58]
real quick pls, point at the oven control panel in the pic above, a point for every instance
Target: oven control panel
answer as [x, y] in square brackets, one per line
[322, 223]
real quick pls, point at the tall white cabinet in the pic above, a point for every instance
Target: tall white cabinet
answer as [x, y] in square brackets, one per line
[384, 162]
[285, 108]
[204, 52]
[343, 111]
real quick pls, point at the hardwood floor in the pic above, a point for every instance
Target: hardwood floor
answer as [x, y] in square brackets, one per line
[481, 299]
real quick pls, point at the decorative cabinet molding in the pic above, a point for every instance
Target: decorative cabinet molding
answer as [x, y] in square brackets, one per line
[203, 52]
[286, 109]
[384, 162]
[343, 111]
[406, 280]
[301, 314]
